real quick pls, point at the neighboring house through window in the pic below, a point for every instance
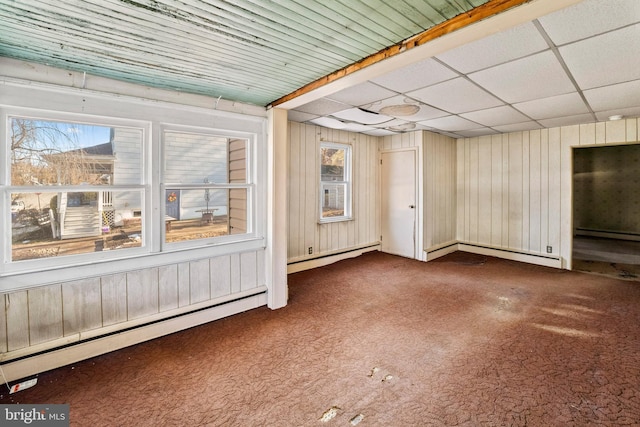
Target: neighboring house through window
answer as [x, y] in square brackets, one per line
[77, 182]
[207, 186]
[82, 192]
[335, 182]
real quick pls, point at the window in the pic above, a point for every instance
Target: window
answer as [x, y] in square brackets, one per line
[335, 182]
[207, 190]
[75, 193]
[72, 189]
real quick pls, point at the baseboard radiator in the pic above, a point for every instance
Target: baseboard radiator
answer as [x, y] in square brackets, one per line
[30, 365]
[329, 258]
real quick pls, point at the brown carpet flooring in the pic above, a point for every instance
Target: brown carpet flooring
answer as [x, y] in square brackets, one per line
[380, 340]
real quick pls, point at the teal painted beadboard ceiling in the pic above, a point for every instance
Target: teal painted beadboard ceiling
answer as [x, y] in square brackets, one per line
[252, 51]
[557, 63]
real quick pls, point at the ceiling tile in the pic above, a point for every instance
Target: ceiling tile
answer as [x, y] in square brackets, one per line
[518, 127]
[360, 116]
[456, 96]
[363, 93]
[449, 134]
[322, 107]
[502, 115]
[298, 116]
[623, 95]
[625, 112]
[426, 112]
[553, 106]
[567, 121]
[589, 18]
[392, 122]
[537, 76]
[328, 122]
[450, 123]
[356, 127]
[398, 125]
[415, 76]
[380, 132]
[498, 48]
[607, 59]
[476, 132]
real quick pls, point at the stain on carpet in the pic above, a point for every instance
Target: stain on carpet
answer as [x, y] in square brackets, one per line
[611, 269]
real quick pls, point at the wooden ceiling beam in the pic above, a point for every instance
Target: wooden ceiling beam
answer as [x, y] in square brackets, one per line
[491, 8]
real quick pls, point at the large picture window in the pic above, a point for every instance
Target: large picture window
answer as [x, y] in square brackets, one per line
[335, 182]
[74, 188]
[75, 193]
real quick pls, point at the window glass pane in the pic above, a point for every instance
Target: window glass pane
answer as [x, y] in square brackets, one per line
[238, 161]
[193, 214]
[195, 158]
[48, 224]
[332, 164]
[335, 182]
[60, 153]
[333, 200]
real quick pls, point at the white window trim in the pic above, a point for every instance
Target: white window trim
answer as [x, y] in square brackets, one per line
[8, 267]
[249, 186]
[104, 109]
[348, 204]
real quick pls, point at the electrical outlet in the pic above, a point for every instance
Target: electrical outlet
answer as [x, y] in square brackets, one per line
[549, 249]
[310, 250]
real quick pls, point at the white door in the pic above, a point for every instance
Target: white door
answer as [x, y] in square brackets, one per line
[398, 200]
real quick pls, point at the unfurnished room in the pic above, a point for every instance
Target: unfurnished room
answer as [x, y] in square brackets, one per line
[320, 213]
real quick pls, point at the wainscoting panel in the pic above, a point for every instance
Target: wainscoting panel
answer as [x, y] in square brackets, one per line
[43, 318]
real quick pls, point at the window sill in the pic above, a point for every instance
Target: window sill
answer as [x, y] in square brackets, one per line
[336, 219]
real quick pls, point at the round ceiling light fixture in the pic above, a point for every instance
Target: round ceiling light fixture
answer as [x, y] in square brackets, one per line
[400, 110]
[616, 117]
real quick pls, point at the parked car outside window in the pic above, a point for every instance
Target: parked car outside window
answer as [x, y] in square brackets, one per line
[17, 206]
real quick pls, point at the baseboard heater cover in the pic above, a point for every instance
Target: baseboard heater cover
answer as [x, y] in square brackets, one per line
[55, 358]
[538, 259]
[320, 261]
[440, 251]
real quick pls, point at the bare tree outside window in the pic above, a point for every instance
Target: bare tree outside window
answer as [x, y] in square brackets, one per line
[52, 153]
[57, 172]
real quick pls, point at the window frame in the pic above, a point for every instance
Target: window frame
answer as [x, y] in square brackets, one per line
[153, 251]
[347, 182]
[249, 185]
[9, 266]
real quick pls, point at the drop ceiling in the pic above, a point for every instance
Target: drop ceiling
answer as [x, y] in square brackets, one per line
[576, 65]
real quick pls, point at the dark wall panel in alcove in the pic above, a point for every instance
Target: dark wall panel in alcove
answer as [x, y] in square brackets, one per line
[606, 188]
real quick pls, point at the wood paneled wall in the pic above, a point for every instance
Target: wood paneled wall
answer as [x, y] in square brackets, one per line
[49, 316]
[305, 231]
[506, 186]
[514, 190]
[439, 190]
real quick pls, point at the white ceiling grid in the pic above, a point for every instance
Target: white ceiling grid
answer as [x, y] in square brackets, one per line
[578, 65]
